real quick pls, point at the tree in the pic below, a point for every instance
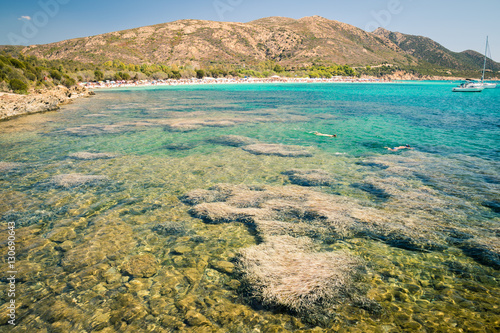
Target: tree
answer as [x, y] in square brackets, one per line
[99, 76]
[16, 63]
[200, 73]
[175, 75]
[55, 74]
[18, 86]
[69, 81]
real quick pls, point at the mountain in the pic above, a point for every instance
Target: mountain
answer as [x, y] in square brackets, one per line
[287, 41]
[427, 50]
[292, 43]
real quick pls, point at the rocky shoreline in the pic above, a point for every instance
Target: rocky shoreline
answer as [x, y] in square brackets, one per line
[13, 105]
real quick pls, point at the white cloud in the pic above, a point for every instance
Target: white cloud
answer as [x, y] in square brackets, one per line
[27, 18]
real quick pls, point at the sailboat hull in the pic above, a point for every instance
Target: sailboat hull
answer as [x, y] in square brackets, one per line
[468, 89]
[489, 85]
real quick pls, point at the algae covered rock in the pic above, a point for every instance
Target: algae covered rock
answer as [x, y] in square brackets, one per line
[105, 240]
[277, 150]
[199, 196]
[224, 266]
[309, 177]
[60, 235]
[485, 250]
[7, 166]
[170, 228]
[76, 179]
[85, 155]
[180, 146]
[194, 318]
[232, 140]
[139, 266]
[220, 212]
[287, 272]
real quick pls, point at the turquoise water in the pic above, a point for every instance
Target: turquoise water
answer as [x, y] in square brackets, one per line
[123, 253]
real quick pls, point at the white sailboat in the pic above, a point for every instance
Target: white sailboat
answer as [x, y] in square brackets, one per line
[469, 86]
[474, 86]
[486, 85]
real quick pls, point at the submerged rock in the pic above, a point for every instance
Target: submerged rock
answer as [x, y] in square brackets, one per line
[106, 239]
[7, 166]
[196, 124]
[24, 219]
[194, 318]
[287, 272]
[60, 235]
[76, 179]
[288, 204]
[85, 155]
[171, 228]
[283, 271]
[380, 193]
[180, 146]
[494, 205]
[232, 140]
[219, 212]
[140, 266]
[100, 129]
[485, 250]
[224, 266]
[309, 177]
[277, 150]
[182, 127]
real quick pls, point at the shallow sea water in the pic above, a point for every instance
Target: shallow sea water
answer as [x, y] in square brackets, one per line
[122, 253]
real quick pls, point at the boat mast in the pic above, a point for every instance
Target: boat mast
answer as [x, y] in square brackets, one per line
[485, 52]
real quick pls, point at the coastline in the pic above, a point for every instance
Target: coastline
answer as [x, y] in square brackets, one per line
[13, 105]
[219, 81]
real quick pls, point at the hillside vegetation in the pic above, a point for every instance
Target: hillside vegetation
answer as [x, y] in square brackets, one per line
[291, 43]
[311, 46]
[19, 73]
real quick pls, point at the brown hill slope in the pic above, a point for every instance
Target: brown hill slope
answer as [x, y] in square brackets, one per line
[425, 49]
[288, 41]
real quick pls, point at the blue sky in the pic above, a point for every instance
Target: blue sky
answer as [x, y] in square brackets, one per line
[456, 24]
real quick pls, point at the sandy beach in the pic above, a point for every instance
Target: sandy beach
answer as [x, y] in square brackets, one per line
[218, 81]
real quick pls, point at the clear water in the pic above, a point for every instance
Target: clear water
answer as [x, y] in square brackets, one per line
[74, 243]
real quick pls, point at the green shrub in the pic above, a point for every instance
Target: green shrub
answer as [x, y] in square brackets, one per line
[16, 63]
[56, 75]
[200, 73]
[68, 81]
[30, 76]
[18, 86]
[99, 76]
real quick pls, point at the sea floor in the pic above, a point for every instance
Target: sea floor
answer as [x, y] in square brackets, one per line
[217, 211]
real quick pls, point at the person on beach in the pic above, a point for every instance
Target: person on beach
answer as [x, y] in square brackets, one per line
[398, 148]
[322, 134]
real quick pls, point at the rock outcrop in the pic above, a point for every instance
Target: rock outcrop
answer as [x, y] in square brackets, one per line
[12, 105]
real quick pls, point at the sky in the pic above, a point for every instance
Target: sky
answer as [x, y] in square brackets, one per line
[456, 24]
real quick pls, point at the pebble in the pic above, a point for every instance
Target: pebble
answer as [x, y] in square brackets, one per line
[61, 235]
[224, 266]
[139, 266]
[181, 249]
